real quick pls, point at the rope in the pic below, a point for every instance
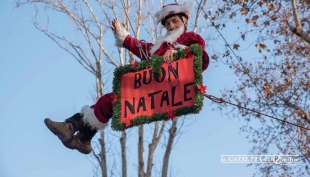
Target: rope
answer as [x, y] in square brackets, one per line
[142, 53]
[128, 19]
[146, 55]
[171, 70]
[221, 100]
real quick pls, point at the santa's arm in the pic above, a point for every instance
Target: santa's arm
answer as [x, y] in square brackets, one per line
[205, 60]
[123, 39]
[138, 47]
[196, 39]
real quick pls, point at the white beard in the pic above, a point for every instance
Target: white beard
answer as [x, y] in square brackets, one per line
[170, 38]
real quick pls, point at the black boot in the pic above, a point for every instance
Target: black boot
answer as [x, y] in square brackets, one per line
[65, 130]
[82, 141]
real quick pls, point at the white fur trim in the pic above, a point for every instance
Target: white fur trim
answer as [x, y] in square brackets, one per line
[180, 46]
[170, 38]
[120, 37]
[90, 119]
[185, 8]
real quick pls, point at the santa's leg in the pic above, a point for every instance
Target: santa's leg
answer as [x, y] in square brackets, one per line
[87, 123]
[82, 140]
[65, 130]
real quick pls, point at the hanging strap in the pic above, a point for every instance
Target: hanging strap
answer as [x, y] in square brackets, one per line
[143, 53]
[171, 70]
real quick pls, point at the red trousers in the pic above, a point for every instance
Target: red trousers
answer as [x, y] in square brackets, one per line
[103, 108]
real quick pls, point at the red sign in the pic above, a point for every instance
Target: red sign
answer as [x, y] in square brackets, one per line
[142, 94]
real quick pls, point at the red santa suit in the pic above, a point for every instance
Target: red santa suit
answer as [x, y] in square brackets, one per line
[98, 115]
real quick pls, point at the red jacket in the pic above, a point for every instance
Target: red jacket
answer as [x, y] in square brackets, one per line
[186, 39]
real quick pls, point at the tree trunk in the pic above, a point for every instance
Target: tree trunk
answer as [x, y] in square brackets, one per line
[123, 151]
[298, 29]
[172, 134]
[103, 165]
[153, 145]
[141, 152]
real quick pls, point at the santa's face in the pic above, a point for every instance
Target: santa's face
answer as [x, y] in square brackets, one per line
[175, 28]
[170, 38]
[174, 22]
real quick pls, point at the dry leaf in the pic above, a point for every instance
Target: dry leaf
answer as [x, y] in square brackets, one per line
[260, 46]
[274, 17]
[255, 17]
[267, 23]
[236, 46]
[249, 20]
[270, 6]
[244, 11]
[243, 36]
[214, 57]
[232, 15]
[239, 1]
[256, 24]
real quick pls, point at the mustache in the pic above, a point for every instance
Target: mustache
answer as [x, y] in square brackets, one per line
[175, 30]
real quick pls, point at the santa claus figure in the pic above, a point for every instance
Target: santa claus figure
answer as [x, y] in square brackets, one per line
[174, 18]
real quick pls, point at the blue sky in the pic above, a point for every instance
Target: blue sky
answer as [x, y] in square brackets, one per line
[39, 80]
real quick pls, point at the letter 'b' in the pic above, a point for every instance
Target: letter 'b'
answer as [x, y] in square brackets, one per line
[137, 82]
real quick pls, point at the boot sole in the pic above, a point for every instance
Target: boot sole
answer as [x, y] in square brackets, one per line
[56, 132]
[84, 152]
[69, 146]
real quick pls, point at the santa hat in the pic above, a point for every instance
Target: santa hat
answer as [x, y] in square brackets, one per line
[173, 9]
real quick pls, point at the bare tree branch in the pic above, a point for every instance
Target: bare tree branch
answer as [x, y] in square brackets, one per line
[96, 156]
[303, 114]
[103, 164]
[201, 4]
[120, 50]
[301, 34]
[80, 59]
[141, 152]
[298, 29]
[123, 153]
[296, 17]
[172, 134]
[152, 146]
